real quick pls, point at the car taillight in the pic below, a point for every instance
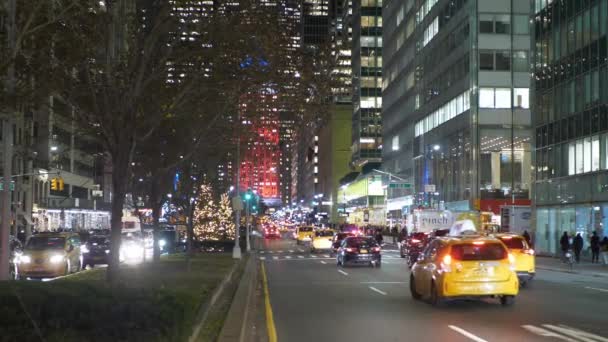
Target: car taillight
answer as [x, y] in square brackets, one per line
[376, 249]
[415, 241]
[529, 251]
[446, 263]
[351, 250]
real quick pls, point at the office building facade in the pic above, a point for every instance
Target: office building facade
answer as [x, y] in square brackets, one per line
[366, 23]
[570, 84]
[456, 117]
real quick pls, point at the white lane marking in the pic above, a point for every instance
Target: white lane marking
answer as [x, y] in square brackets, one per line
[326, 255]
[343, 272]
[596, 289]
[275, 257]
[262, 252]
[270, 252]
[291, 251]
[262, 258]
[288, 257]
[578, 334]
[466, 333]
[300, 257]
[376, 290]
[279, 251]
[382, 282]
[313, 256]
[323, 262]
[300, 250]
[546, 333]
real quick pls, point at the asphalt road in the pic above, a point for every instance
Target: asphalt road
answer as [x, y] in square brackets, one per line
[314, 300]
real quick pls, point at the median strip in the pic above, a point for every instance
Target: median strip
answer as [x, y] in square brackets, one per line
[376, 290]
[466, 333]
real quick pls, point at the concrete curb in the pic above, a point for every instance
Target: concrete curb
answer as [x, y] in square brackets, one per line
[574, 271]
[207, 306]
[239, 315]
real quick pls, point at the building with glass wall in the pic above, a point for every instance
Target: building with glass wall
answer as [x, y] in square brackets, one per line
[571, 120]
[456, 117]
[366, 22]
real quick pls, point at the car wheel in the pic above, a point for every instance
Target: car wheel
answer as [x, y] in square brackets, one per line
[435, 298]
[507, 300]
[413, 290]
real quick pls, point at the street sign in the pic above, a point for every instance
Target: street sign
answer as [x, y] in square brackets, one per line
[11, 186]
[400, 186]
[429, 188]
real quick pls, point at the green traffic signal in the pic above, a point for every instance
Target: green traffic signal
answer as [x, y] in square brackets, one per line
[247, 196]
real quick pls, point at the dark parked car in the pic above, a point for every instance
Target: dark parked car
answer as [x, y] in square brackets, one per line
[96, 251]
[359, 250]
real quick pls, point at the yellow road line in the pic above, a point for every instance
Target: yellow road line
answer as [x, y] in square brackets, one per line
[272, 331]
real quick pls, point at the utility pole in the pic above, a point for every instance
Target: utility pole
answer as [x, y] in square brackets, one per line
[7, 155]
[236, 251]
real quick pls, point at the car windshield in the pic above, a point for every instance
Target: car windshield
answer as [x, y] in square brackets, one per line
[98, 240]
[326, 233]
[306, 229]
[45, 242]
[472, 252]
[513, 242]
[360, 242]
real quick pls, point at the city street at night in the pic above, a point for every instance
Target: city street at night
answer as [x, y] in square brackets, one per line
[313, 300]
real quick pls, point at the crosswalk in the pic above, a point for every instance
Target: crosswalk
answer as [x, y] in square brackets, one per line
[547, 331]
[302, 254]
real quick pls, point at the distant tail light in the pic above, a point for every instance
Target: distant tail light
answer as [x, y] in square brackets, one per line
[376, 249]
[416, 241]
[351, 250]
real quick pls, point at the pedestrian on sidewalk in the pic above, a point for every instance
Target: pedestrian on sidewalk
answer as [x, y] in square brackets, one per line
[564, 243]
[394, 233]
[595, 248]
[578, 247]
[604, 245]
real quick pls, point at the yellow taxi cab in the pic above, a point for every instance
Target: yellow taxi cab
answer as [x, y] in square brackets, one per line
[463, 268]
[304, 234]
[48, 255]
[525, 264]
[322, 240]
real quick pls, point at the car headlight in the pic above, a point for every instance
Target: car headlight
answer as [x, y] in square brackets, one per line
[55, 259]
[107, 251]
[84, 249]
[162, 243]
[25, 259]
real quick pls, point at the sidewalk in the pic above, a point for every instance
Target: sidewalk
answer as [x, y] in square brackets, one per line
[584, 267]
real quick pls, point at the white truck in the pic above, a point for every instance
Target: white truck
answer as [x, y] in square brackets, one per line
[428, 220]
[515, 218]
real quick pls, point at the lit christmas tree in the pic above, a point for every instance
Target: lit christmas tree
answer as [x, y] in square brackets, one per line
[226, 222]
[206, 216]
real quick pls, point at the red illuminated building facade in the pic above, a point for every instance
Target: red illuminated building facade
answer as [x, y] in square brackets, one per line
[260, 162]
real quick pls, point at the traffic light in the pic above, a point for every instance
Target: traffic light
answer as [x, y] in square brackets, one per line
[61, 184]
[54, 184]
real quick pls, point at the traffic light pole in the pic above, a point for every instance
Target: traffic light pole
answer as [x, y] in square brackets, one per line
[247, 238]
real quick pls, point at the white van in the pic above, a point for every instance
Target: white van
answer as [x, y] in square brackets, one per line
[131, 224]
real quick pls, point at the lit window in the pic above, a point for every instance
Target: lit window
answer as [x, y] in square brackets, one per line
[595, 153]
[521, 98]
[503, 97]
[395, 143]
[486, 97]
